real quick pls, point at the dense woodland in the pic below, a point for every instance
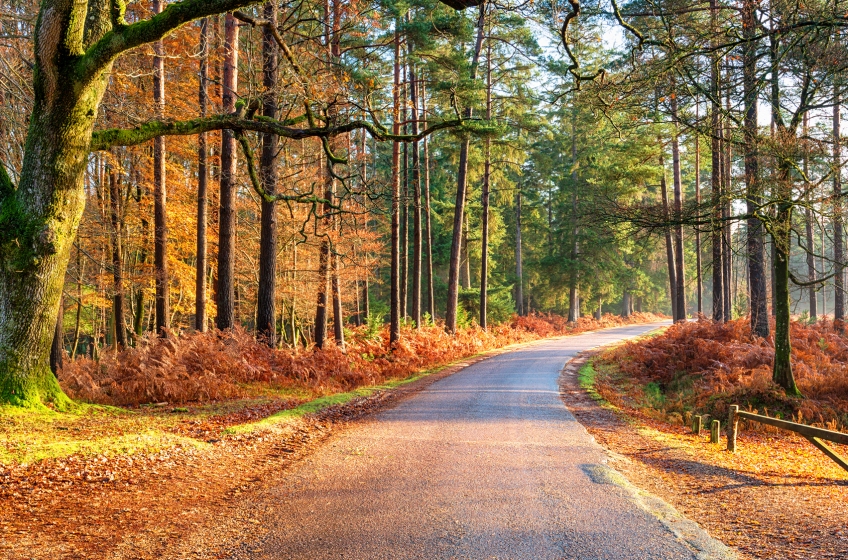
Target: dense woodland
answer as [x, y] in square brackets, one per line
[297, 169]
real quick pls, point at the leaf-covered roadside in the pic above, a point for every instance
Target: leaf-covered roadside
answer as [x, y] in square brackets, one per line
[776, 498]
[150, 480]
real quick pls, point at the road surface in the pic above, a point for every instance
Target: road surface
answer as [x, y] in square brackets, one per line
[486, 463]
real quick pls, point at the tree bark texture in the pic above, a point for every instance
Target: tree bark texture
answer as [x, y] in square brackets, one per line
[461, 191]
[838, 230]
[487, 174]
[758, 294]
[225, 294]
[669, 243]
[394, 304]
[117, 260]
[160, 197]
[266, 313]
[717, 226]
[200, 315]
[679, 270]
[416, 202]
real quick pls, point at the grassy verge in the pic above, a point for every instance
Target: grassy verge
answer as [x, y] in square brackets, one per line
[31, 435]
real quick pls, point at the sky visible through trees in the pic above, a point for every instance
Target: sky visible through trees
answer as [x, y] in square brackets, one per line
[297, 168]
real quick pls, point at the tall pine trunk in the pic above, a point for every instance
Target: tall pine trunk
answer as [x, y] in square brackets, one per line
[160, 214]
[117, 259]
[200, 316]
[266, 314]
[487, 172]
[461, 188]
[416, 202]
[679, 271]
[431, 302]
[698, 267]
[519, 257]
[755, 242]
[225, 295]
[838, 242]
[669, 243]
[573, 294]
[808, 225]
[717, 225]
[395, 310]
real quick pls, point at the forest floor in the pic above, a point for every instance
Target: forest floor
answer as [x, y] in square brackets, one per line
[110, 482]
[777, 497]
[183, 469]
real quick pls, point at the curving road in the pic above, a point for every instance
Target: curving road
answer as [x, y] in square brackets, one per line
[486, 463]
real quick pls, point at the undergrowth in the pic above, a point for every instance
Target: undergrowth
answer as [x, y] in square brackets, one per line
[213, 366]
[703, 367]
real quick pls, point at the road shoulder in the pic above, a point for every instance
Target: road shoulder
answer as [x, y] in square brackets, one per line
[600, 421]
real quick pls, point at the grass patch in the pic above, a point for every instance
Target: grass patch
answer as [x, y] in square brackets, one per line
[32, 435]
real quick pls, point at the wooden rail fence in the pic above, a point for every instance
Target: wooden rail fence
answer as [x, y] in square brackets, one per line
[816, 436]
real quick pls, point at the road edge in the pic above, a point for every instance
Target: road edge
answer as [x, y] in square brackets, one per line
[705, 546]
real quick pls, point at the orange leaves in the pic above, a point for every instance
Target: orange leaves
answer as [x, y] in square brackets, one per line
[724, 363]
[202, 367]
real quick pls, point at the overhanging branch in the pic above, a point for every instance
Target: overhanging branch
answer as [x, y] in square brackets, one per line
[105, 139]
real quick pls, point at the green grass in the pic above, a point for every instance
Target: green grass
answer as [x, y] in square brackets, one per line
[31, 435]
[34, 434]
[317, 405]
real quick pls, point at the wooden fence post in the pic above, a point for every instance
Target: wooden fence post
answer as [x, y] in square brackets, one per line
[696, 425]
[715, 426]
[732, 428]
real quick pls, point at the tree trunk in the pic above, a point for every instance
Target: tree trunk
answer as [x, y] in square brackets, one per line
[39, 218]
[461, 187]
[838, 252]
[431, 303]
[487, 171]
[160, 214]
[808, 223]
[727, 211]
[519, 269]
[625, 304]
[266, 314]
[782, 372]
[669, 244]
[755, 243]
[117, 261]
[698, 267]
[717, 226]
[338, 311]
[200, 318]
[679, 274]
[225, 295]
[57, 349]
[573, 294]
[395, 310]
[416, 203]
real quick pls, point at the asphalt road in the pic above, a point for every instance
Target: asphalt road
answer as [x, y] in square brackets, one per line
[486, 463]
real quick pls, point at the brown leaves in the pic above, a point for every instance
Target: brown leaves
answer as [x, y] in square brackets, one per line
[707, 366]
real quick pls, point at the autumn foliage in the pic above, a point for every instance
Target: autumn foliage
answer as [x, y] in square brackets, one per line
[202, 367]
[705, 366]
